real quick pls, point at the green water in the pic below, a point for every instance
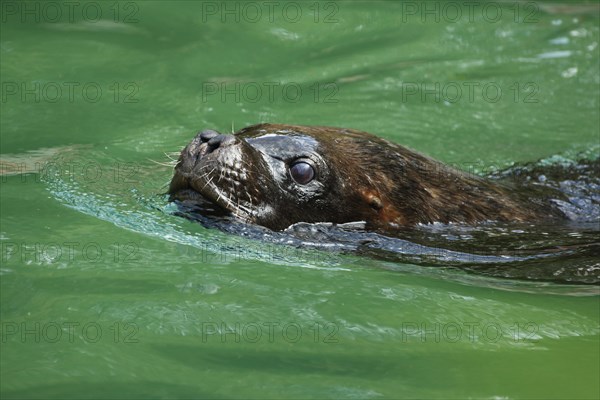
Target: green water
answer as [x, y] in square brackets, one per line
[105, 294]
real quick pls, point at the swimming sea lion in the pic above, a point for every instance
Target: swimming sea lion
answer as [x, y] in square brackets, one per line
[277, 175]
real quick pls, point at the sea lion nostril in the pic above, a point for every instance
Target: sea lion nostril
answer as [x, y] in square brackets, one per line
[219, 141]
[208, 134]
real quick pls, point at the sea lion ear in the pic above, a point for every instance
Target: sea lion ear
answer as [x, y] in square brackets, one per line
[372, 199]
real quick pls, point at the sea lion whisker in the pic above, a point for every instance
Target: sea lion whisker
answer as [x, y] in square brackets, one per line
[165, 185]
[172, 156]
[226, 199]
[247, 211]
[164, 164]
[208, 182]
[203, 169]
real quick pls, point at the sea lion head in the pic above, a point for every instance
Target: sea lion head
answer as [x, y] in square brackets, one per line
[277, 175]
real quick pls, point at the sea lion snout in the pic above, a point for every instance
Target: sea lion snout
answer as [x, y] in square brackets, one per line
[204, 143]
[191, 156]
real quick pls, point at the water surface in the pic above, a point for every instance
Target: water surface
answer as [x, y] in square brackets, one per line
[106, 293]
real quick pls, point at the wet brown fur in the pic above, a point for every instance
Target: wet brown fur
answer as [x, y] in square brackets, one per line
[400, 186]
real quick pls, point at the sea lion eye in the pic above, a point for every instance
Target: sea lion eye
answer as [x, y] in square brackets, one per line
[302, 172]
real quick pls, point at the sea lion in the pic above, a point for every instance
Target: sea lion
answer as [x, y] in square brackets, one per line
[277, 175]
